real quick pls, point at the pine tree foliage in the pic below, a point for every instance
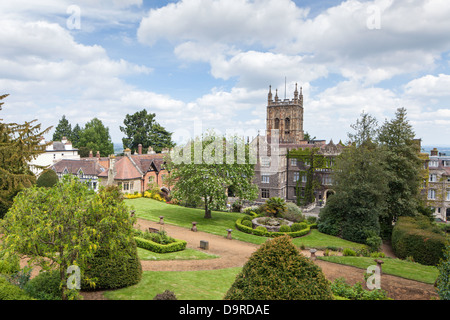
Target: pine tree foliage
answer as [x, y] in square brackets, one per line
[19, 144]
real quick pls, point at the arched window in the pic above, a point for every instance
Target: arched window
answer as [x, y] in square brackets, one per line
[287, 125]
[277, 123]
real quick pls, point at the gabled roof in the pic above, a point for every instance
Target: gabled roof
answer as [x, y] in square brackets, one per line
[73, 166]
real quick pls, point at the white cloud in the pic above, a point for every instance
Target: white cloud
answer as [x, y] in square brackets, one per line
[429, 86]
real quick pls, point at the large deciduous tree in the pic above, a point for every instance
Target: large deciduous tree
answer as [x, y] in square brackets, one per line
[141, 128]
[208, 166]
[95, 137]
[19, 144]
[353, 213]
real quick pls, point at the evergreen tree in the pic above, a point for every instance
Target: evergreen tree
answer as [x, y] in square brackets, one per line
[141, 128]
[19, 144]
[75, 137]
[63, 129]
[403, 166]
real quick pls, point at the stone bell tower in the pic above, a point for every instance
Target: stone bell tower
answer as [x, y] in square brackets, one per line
[286, 116]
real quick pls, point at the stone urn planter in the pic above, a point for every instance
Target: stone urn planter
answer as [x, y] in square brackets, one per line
[271, 224]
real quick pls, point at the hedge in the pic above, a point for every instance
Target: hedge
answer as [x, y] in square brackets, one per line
[178, 245]
[113, 271]
[9, 291]
[259, 232]
[415, 237]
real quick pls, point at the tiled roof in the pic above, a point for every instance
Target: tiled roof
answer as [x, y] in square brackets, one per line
[73, 166]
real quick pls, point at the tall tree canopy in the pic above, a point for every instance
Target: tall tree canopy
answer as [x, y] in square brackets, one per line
[404, 168]
[141, 128]
[360, 184]
[209, 165]
[19, 144]
[95, 136]
[63, 129]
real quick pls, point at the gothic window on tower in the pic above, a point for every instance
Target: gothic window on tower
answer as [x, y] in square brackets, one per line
[287, 126]
[277, 123]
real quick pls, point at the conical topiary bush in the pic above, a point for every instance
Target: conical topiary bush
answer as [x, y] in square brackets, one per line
[278, 271]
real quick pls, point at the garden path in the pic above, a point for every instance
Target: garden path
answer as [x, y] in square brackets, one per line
[234, 253]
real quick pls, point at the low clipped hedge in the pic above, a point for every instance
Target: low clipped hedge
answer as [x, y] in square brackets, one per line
[416, 237]
[9, 291]
[177, 245]
[264, 233]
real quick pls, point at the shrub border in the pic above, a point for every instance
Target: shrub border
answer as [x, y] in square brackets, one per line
[178, 245]
[293, 234]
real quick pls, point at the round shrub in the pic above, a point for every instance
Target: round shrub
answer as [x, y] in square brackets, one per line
[47, 179]
[285, 228]
[9, 265]
[349, 252]
[298, 226]
[274, 207]
[9, 291]
[166, 295]
[45, 286]
[293, 213]
[246, 223]
[108, 271]
[261, 228]
[278, 271]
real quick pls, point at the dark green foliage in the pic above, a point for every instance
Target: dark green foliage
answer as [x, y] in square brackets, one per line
[356, 292]
[443, 280]
[354, 211]
[19, 144]
[404, 169]
[95, 137]
[47, 179]
[9, 291]
[63, 129]
[278, 271]
[45, 286]
[166, 295]
[418, 238]
[121, 270]
[141, 128]
[176, 245]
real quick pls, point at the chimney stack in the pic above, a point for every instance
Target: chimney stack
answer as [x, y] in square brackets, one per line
[98, 155]
[434, 152]
[90, 154]
[139, 148]
[150, 151]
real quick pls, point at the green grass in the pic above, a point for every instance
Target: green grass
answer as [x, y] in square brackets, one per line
[318, 240]
[395, 267]
[187, 285]
[150, 209]
[186, 254]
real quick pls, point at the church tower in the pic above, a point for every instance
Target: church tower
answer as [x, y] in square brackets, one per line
[286, 116]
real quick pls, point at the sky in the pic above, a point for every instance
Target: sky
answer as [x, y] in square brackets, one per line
[208, 64]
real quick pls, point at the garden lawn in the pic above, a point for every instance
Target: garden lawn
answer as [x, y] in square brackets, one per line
[318, 240]
[187, 285]
[150, 209]
[395, 267]
[186, 254]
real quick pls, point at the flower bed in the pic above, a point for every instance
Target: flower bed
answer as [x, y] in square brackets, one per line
[260, 231]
